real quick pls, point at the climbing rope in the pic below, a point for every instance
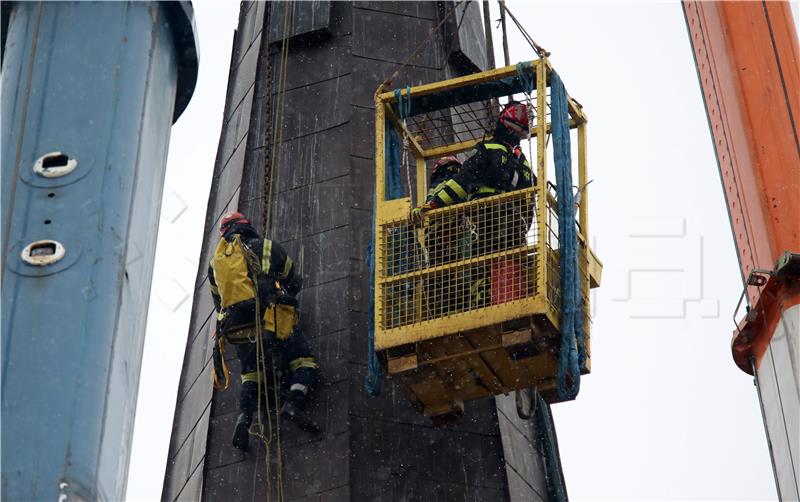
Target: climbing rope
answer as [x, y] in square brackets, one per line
[404, 109]
[527, 79]
[271, 177]
[277, 131]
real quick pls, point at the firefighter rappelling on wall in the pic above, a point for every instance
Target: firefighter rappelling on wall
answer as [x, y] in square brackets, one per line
[254, 285]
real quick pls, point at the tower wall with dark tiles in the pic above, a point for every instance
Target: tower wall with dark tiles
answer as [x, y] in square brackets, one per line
[373, 448]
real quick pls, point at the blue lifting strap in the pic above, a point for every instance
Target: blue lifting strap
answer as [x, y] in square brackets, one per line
[527, 76]
[394, 190]
[403, 105]
[572, 353]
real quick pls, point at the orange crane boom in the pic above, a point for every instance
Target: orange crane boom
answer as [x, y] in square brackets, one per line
[747, 62]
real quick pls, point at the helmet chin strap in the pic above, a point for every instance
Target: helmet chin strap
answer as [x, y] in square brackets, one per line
[504, 135]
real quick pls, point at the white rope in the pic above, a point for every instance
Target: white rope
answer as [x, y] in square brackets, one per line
[404, 162]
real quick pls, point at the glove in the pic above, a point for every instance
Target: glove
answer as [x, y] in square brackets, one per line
[417, 214]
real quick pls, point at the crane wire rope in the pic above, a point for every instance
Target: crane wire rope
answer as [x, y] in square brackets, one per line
[538, 49]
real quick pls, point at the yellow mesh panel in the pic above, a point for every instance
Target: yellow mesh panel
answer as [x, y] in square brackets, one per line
[464, 258]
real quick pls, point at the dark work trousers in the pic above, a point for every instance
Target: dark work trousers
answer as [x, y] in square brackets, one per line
[496, 228]
[294, 350]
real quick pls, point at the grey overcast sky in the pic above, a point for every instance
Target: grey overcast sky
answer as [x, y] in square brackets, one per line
[665, 413]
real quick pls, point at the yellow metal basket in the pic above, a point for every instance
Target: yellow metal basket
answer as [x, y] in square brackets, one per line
[467, 303]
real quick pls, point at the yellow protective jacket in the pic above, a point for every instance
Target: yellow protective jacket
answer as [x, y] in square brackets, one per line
[240, 256]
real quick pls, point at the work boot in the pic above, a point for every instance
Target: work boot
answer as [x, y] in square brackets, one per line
[241, 433]
[292, 410]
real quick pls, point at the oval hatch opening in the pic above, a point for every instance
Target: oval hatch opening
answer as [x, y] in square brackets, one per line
[54, 165]
[42, 253]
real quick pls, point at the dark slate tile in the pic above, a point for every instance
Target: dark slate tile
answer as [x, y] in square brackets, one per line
[521, 456]
[197, 356]
[317, 466]
[227, 401]
[258, 10]
[317, 107]
[333, 355]
[437, 490]
[323, 308]
[363, 174]
[326, 256]
[238, 481]
[413, 455]
[249, 29]
[363, 133]
[192, 490]
[220, 452]
[369, 73]
[311, 159]
[240, 121]
[361, 231]
[245, 73]
[336, 495]
[318, 61]
[307, 498]
[202, 308]
[229, 178]
[235, 131]
[359, 322]
[327, 205]
[519, 490]
[341, 19]
[507, 407]
[240, 40]
[358, 292]
[471, 37]
[200, 439]
[400, 36]
[251, 196]
[188, 415]
[179, 468]
[307, 18]
[426, 10]
[328, 406]
[228, 202]
[290, 209]
[312, 209]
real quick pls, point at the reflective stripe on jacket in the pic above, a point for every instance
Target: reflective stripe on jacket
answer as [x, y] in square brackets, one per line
[492, 169]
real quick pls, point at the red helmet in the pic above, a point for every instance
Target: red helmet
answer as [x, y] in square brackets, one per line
[445, 165]
[231, 218]
[515, 118]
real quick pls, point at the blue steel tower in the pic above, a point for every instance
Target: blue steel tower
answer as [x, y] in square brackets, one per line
[89, 93]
